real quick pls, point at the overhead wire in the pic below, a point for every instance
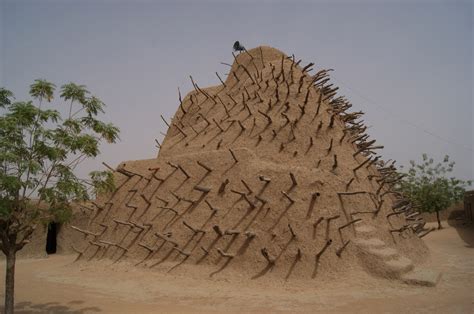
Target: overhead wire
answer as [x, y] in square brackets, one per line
[400, 119]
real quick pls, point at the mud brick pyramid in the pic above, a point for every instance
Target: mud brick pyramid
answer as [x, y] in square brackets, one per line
[267, 174]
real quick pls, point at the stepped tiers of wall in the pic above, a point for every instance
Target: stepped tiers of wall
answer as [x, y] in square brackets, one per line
[267, 174]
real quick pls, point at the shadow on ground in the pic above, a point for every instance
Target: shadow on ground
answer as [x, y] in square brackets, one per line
[72, 307]
[465, 231]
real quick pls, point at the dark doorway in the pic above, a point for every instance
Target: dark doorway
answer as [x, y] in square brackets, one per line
[51, 238]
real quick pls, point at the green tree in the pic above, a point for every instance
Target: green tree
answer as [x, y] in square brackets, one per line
[39, 150]
[427, 185]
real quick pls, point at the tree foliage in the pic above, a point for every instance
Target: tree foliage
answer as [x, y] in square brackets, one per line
[429, 186]
[39, 150]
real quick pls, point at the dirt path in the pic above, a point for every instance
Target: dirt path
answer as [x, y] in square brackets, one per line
[53, 285]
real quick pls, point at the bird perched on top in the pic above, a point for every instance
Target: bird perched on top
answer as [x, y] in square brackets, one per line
[238, 47]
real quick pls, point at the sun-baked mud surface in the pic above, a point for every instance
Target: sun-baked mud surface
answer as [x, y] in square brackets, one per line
[268, 175]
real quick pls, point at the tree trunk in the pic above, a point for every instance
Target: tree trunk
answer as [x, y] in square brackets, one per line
[439, 221]
[10, 282]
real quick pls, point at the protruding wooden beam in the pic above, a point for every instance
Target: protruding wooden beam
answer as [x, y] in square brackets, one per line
[108, 167]
[218, 125]
[349, 183]
[334, 165]
[184, 171]
[317, 222]
[202, 189]
[233, 156]
[293, 234]
[222, 82]
[352, 193]
[225, 254]
[246, 186]
[86, 232]
[361, 165]
[330, 146]
[180, 251]
[339, 251]
[287, 196]
[222, 187]
[266, 255]
[162, 118]
[293, 180]
[180, 130]
[204, 166]
[349, 223]
[264, 179]
[326, 245]
[217, 230]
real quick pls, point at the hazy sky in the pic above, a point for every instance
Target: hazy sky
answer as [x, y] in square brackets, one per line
[407, 64]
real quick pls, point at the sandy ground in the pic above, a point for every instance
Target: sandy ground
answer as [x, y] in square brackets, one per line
[55, 285]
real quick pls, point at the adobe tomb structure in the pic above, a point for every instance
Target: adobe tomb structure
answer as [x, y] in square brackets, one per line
[268, 174]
